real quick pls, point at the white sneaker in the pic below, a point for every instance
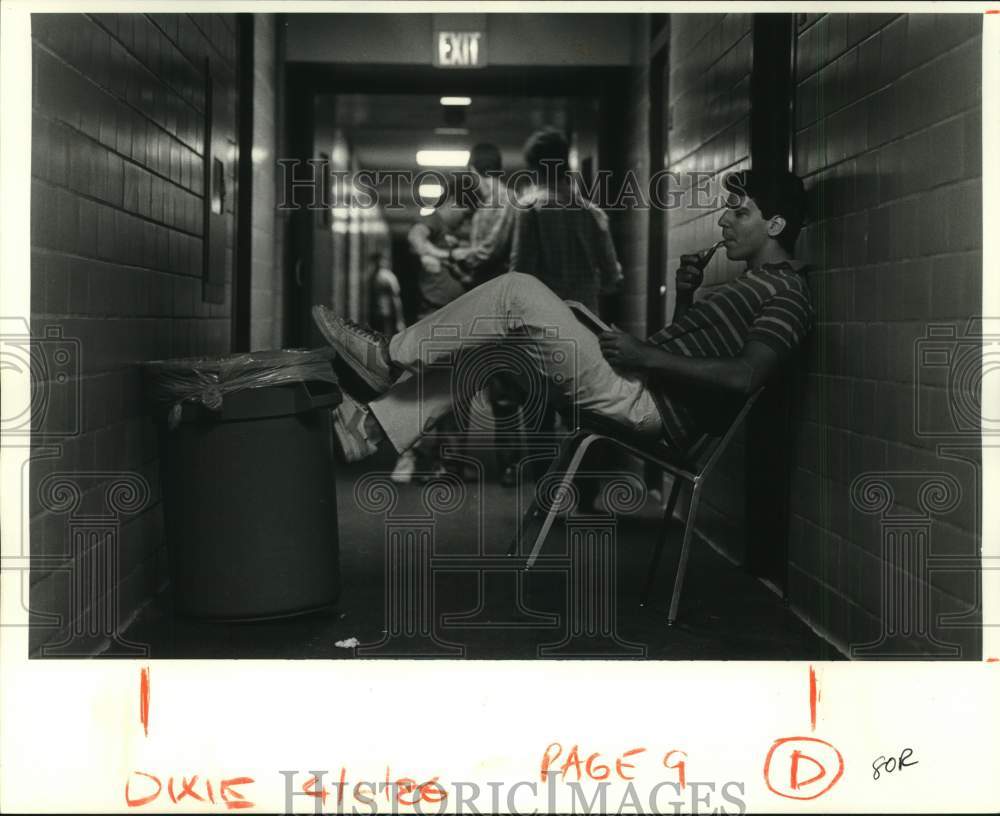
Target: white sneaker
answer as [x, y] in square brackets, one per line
[366, 351]
[349, 430]
[406, 465]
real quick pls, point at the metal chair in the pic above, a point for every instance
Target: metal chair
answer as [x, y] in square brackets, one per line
[693, 466]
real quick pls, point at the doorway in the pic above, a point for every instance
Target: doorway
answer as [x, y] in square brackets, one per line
[379, 113]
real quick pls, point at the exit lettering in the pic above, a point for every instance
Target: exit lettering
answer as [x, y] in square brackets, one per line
[460, 49]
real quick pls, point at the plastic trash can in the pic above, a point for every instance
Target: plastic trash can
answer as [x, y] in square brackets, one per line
[248, 482]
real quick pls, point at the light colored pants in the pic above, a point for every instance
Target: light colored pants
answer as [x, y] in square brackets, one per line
[514, 323]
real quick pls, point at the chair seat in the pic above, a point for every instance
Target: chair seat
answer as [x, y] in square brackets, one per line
[653, 449]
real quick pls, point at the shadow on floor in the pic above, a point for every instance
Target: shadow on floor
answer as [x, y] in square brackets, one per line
[476, 604]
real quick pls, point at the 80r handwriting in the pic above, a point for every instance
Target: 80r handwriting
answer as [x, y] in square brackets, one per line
[892, 763]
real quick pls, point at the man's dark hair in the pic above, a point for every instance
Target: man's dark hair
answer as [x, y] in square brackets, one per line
[547, 145]
[485, 158]
[778, 193]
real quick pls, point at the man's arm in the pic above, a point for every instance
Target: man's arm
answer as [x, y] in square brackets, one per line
[494, 249]
[777, 330]
[420, 238]
[738, 376]
[682, 304]
[689, 278]
[714, 376]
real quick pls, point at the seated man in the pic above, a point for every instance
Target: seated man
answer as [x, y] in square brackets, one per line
[726, 345]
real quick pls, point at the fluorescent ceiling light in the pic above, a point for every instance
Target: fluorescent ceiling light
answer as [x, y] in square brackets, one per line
[430, 190]
[456, 100]
[451, 131]
[442, 158]
[426, 210]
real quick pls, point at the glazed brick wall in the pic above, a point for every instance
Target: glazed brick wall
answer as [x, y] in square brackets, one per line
[888, 140]
[116, 226]
[709, 97]
[709, 68]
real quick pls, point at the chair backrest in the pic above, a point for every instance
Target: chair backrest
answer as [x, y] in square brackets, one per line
[703, 454]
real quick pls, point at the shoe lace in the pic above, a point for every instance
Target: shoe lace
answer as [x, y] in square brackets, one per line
[365, 331]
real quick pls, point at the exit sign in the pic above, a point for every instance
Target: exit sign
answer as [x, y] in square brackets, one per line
[459, 49]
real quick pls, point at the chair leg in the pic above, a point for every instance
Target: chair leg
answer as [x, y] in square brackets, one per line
[668, 514]
[566, 451]
[530, 514]
[570, 472]
[675, 598]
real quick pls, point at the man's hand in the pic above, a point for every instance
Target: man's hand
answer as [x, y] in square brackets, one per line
[459, 254]
[459, 274]
[623, 351]
[431, 264]
[689, 275]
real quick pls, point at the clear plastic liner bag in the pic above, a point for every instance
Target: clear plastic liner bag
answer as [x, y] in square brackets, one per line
[206, 380]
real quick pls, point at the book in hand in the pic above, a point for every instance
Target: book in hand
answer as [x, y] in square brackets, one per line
[587, 317]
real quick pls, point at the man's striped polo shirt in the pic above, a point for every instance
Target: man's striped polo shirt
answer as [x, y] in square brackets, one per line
[770, 305]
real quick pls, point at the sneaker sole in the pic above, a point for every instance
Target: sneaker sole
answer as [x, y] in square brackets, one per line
[352, 449]
[370, 378]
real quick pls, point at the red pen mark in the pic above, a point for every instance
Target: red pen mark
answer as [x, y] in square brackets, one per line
[789, 753]
[309, 788]
[142, 800]
[679, 765]
[238, 800]
[993, 659]
[187, 788]
[813, 697]
[591, 767]
[144, 699]
[152, 786]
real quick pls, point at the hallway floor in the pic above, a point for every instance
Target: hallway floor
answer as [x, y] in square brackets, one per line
[725, 614]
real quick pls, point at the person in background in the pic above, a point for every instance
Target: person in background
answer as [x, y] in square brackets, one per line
[385, 307]
[554, 232]
[488, 253]
[385, 314]
[434, 239]
[559, 236]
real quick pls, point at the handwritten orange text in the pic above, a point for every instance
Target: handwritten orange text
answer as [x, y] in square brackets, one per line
[404, 790]
[577, 765]
[590, 768]
[143, 788]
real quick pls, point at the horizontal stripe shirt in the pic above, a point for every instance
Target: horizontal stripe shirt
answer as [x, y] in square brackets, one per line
[770, 305]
